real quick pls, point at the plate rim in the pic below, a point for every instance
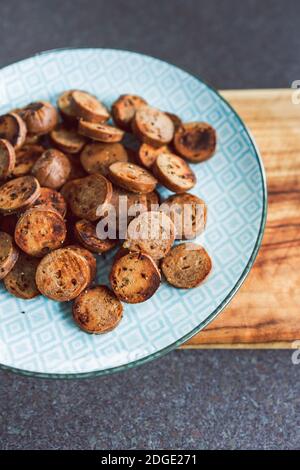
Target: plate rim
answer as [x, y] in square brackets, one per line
[229, 296]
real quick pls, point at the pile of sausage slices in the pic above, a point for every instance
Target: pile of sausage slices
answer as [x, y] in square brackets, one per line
[57, 165]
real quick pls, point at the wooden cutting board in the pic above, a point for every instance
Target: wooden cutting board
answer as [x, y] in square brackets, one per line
[265, 313]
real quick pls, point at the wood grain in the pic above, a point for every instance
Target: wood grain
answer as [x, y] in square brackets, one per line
[266, 310]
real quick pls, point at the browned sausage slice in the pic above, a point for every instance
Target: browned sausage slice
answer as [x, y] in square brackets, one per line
[18, 194]
[195, 141]
[188, 213]
[124, 109]
[20, 281]
[52, 200]
[85, 233]
[97, 157]
[187, 265]
[152, 126]
[152, 233]
[26, 158]
[64, 104]
[147, 154]
[134, 277]
[7, 159]
[97, 310]
[99, 131]
[174, 173]
[40, 230]
[13, 129]
[52, 169]
[87, 195]
[40, 117]
[8, 254]
[88, 107]
[132, 177]
[67, 140]
[89, 257]
[63, 274]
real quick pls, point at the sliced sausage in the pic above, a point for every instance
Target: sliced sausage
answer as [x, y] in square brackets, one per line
[52, 169]
[187, 265]
[195, 141]
[97, 157]
[134, 277]
[89, 257]
[152, 126]
[7, 159]
[88, 107]
[152, 232]
[40, 230]
[63, 274]
[85, 233]
[102, 132]
[13, 129]
[97, 310]
[174, 173]
[18, 194]
[147, 154]
[124, 109]
[52, 200]
[26, 158]
[64, 104]
[67, 140]
[8, 254]
[40, 117]
[132, 177]
[188, 213]
[20, 281]
[88, 195]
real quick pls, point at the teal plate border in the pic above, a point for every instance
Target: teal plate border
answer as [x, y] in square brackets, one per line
[207, 93]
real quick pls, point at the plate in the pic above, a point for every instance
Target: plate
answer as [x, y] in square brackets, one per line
[38, 337]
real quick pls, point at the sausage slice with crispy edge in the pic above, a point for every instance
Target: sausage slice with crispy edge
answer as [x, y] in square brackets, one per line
[96, 157]
[64, 104]
[40, 230]
[52, 200]
[97, 310]
[88, 107]
[187, 265]
[20, 281]
[7, 159]
[124, 109]
[134, 277]
[147, 154]
[52, 169]
[18, 194]
[67, 140]
[132, 177]
[13, 129]
[40, 117]
[26, 158]
[174, 173]
[102, 132]
[195, 141]
[8, 254]
[85, 233]
[153, 126]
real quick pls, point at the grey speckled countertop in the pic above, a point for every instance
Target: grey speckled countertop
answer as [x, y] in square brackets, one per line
[188, 399]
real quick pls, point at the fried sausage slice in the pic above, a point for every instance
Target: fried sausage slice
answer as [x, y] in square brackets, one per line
[132, 177]
[40, 117]
[97, 310]
[63, 274]
[52, 200]
[67, 140]
[187, 265]
[88, 107]
[195, 141]
[89, 257]
[87, 194]
[174, 173]
[18, 194]
[52, 169]
[85, 233]
[152, 232]
[134, 277]
[64, 104]
[20, 281]
[26, 158]
[13, 129]
[188, 213]
[97, 157]
[147, 154]
[153, 126]
[7, 159]
[124, 109]
[8, 254]
[40, 230]
[102, 132]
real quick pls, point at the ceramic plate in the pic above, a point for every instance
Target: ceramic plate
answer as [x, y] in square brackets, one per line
[38, 337]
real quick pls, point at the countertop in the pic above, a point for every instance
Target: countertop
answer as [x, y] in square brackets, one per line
[206, 399]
